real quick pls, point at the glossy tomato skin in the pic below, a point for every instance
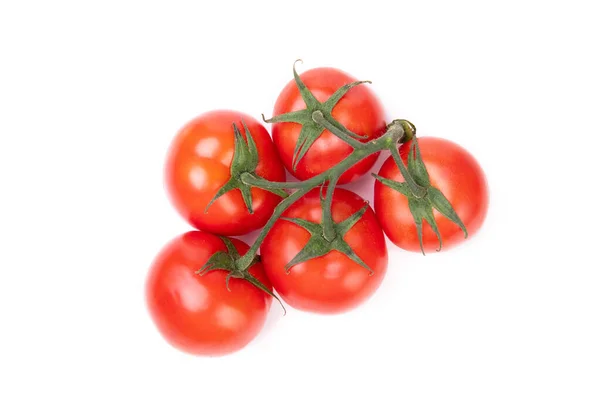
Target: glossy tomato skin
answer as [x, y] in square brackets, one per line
[359, 111]
[197, 314]
[457, 174]
[198, 165]
[332, 283]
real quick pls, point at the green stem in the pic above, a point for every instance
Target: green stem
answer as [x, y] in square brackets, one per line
[246, 260]
[416, 189]
[387, 141]
[259, 182]
[320, 119]
[328, 225]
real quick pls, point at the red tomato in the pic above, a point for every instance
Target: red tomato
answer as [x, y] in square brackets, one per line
[331, 283]
[197, 314]
[198, 165]
[359, 111]
[452, 170]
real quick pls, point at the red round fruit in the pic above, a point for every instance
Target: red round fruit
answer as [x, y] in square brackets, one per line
[198, 165]
[331, 283]
[197, 314]
[452, 170]
[359, 111]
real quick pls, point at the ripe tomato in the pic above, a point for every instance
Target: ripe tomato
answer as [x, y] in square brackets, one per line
[359, 111]
[331, 283]
[453, 171]
[198, 165]
[197, 314]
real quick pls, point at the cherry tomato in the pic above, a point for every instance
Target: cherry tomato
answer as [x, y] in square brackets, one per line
[197, 314]
[332, 283]
[453, 171]
[198, 166]
[359, 111]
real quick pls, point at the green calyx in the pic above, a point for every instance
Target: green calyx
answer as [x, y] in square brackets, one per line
[423, 198]
[245, 161]
[318, 245]
[226, 260]
[316, 118]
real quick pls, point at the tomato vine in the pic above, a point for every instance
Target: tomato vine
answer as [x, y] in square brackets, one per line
[314, 119]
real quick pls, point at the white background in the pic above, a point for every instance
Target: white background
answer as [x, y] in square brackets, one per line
[91, 94]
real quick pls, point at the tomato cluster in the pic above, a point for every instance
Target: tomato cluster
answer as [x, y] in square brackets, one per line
[322, 248]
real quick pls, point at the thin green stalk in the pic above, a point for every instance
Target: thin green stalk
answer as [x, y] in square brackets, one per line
[259, 182]
[320, 119]
[416, 189]
[328, 225]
